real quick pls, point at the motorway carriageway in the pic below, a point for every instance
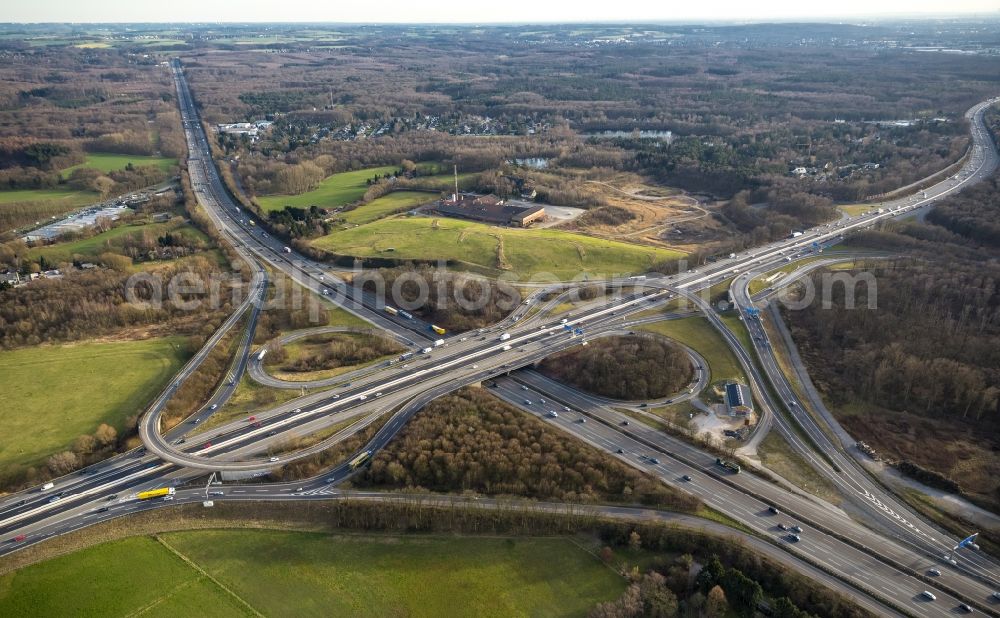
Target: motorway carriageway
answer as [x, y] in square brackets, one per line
[239, 435]
[721, 491]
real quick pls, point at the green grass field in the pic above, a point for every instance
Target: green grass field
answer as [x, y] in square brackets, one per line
[115, 579]
[311, 574]
[52, 394]
[526, 252]
[98, 244]
[732, 320]
[386, 205]
[855, 209]
[109, 162]
[69, 197]
[335, 190]
[698, 334]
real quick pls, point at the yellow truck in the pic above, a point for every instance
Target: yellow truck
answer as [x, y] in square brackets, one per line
[156, 493]
[360, 460]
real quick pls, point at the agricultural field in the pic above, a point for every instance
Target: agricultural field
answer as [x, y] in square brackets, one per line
[397, 201]
[115, 579]
[110, 162]
[312, 574]
[698, 334]
[335, 190]
[52, 394]
[524, 252]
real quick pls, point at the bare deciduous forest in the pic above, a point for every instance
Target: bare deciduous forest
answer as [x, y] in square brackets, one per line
[470, 441]
[920, 375]
[632, 368]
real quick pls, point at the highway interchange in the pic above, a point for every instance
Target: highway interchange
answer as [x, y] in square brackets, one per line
[883, 553]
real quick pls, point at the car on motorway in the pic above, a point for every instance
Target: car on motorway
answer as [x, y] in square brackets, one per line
[379, 394]
[773, 510]
[927, 594]
[797, 529]
[213, 406]
[553, 414]
[782, 526]
[934, 572]
[687, 477]
[55, 498]
[541, 401]
[524, 388]
[18, 539]
[206, 445]
[167, 498]
[996, 596]
[794, 538]
[654, 461]
[581, 420]
[621, 451]
[965, 607]
[273, 459]
[216, 493]
[625, 423]
[300, 489]
[566, 408]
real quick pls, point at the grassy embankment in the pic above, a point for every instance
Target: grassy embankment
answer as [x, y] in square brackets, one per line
[698, 334]
[52, 394]
[313, 574]
[525, 252]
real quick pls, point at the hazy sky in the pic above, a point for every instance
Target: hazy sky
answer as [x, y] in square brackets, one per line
[475, 11]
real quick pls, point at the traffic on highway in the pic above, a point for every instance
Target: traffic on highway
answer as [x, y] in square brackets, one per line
[882, 556]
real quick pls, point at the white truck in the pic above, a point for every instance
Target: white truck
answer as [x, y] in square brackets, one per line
[796, 234]
[427, 350]
[439, 343]
[505, 337]
[48, 486]
[286, 249]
